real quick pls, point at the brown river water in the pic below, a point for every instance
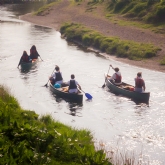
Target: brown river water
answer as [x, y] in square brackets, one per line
[119, 123]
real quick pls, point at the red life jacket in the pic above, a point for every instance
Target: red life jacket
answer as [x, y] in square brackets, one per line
[118, 78]
[139, 82]
[25, 58]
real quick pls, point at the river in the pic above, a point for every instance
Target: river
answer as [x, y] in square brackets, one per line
[118, 122]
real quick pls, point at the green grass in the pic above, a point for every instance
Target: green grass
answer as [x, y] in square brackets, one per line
[147, 14]
[45, 8]
[162, 61]
[27, 139]
[111, 45]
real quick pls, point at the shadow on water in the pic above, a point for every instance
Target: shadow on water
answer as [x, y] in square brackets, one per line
[28, 68]
[75, 109]
[138, 103]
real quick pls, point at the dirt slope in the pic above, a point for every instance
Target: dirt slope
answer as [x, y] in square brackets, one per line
[95, 19]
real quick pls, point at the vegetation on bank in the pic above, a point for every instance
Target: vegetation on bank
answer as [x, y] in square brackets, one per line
[45, 9]
[144, 14]
[27, 139]
[110, 45]
[149, 11]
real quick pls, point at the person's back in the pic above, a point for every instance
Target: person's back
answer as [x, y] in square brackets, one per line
[56, 77]
[139, 83]
[33, 52]
[73, 85]
[24, 58]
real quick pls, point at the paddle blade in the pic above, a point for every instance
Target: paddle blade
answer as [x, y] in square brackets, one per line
[103, 86]
[46, 85]
[88, 95]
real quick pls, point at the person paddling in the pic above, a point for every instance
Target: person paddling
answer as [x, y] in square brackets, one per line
[73, 84]
[56, 77]
[33, 53]
[24, 58]
[139, 83]
[116, 77]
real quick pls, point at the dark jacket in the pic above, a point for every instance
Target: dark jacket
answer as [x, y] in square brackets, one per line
[24, 59]
[72, 84]
[34, 54]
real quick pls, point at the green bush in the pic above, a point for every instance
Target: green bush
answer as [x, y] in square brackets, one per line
[138, 8]
[148, 11]
[129, 7]
[110, 45]
[160, 12]
[162, 61]
[120, 5]
[86, 39]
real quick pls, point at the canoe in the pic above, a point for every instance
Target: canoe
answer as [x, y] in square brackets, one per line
[127, 90]
[71, 97]
[28, 65]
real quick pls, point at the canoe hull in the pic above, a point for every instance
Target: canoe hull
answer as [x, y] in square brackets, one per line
[71, 97]
[136, 96]
[28, 65]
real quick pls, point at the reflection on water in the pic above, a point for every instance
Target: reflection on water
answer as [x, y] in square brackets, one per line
[28, 68]
[75, 109]
[116, 120]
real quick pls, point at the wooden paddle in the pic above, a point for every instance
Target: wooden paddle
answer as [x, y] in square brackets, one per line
[106, 77]
[46, 85]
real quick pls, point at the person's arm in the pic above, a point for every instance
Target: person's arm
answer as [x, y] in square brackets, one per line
[113, 77]
[53, 75]
[37, 53]
[79, 86]
[112, 67]
[19, 62]
[144, 87]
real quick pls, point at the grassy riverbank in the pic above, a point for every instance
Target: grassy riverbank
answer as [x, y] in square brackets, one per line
[110, 45]
[27, 139]
[144, 14]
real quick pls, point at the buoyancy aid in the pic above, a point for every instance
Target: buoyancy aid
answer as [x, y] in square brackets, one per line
[72, 84]
[118, 78]
[139, 82]
[25, 58]
[58, 76]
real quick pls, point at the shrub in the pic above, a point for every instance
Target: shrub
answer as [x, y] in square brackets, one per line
[110, 45]
[162, 61]
[139, 7]
[97, 41]
[119, 6]
[86, 40]
[129, 7]
[160, 12]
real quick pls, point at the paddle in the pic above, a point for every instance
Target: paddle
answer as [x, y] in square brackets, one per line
[48, 80]
[41, 58]
[86, 94]
[106, 77]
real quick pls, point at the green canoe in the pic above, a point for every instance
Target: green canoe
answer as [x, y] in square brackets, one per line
[71, 97]
[28, 65]
[127, 91]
